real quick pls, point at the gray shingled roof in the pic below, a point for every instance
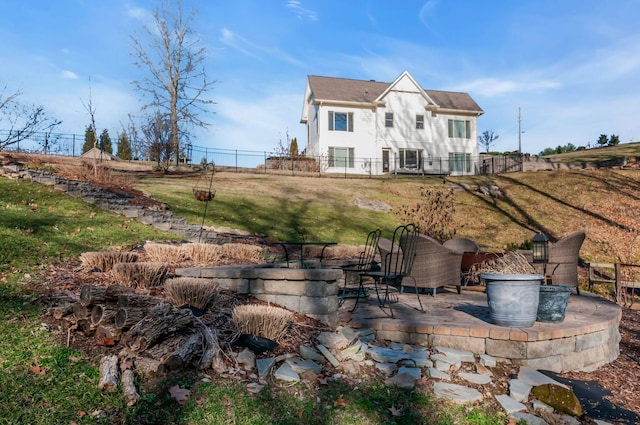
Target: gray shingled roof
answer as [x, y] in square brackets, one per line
[348, 90]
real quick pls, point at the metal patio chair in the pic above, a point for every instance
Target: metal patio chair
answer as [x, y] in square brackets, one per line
[366, 262]
[396, 264]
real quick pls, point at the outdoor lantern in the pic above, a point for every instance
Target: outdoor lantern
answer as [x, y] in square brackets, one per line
[540, 247]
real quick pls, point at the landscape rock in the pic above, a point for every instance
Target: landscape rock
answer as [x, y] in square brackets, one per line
[303, 365]
[438, 374]
[311, 353]
[562, 399]
[387, 368]
[327, 354]
[247, 359]
[265, 366]
[488, 361]
[335, 340]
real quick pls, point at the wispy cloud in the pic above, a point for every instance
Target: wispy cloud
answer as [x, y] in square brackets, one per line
[300, 11]
[69, 74]
[426, 11]
[491, 87]
[229, 38]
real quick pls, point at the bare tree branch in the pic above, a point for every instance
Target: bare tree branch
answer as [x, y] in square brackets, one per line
[21, 122]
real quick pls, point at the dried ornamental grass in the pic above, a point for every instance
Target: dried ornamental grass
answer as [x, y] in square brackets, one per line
[139, 275]
[511, 262]
[262, 320]
[104, 261]
[193, 292]
[203, 253]
[242, 252]
[165, 253]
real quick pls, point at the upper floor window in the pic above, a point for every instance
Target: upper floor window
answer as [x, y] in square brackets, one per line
[419, 122]
[388, 119]
[340, 121]
[460, 129]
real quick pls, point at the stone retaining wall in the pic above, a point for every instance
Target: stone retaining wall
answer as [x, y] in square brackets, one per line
[313, 292]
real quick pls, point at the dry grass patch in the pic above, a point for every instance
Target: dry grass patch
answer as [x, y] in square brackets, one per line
[244, 253]
[104, 261]
[193, 292]
[203, 253]
[165, 253]
[139, 275]
[262, 320]
[336, 251]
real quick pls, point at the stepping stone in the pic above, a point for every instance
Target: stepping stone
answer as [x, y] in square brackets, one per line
[334, 362]
[348, 333]
[438, 374]
[311, 353]
[351, 351]
[302, 365]
[488, 361]
[458, 355]
[456, 393]
[475, 378]
[529, 418]
[265, 366]
[510, 405]
[535, 378]
[386, 355]
[543, 407]
[402, 380]
[413, 371]
[442, 358]
[333, 340]
[387, 368]
[286, 373]
[519, 390]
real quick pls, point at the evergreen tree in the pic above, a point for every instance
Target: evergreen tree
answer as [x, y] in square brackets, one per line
[124, 147]
[603, 140]
[293, 148]
[105, 141]
[614, 140]
[89, 139]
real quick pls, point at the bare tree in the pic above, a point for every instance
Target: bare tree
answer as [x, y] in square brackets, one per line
[157, 137]
[487, 139]
[91, 110]
[176, 83]
[21, 122]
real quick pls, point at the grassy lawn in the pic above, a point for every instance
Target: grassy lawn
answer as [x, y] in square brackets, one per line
[44, 382]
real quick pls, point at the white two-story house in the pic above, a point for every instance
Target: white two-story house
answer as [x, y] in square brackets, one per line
[362, 127]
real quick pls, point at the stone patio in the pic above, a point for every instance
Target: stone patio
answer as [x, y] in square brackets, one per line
[585, 340]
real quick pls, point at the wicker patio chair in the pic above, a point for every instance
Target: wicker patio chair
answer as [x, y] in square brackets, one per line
[396, 263]
[366, 262]
[462, 245]
[435, 265]
[564, 255]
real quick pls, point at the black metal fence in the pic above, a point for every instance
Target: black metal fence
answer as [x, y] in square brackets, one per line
[264, 162]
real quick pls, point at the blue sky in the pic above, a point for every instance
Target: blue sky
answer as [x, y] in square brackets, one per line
[572, 66]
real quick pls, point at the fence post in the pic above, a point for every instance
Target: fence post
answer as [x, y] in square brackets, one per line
[265, 161]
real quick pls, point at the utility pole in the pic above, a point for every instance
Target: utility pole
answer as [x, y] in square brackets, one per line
[519, 131]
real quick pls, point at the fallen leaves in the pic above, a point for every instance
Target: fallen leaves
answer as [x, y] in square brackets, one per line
[340, 402]
[38, 370]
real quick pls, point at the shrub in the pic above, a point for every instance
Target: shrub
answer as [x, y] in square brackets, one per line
[165, 253]
[432, 213]
[139, 275]
[199, 293]
[262, 320]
